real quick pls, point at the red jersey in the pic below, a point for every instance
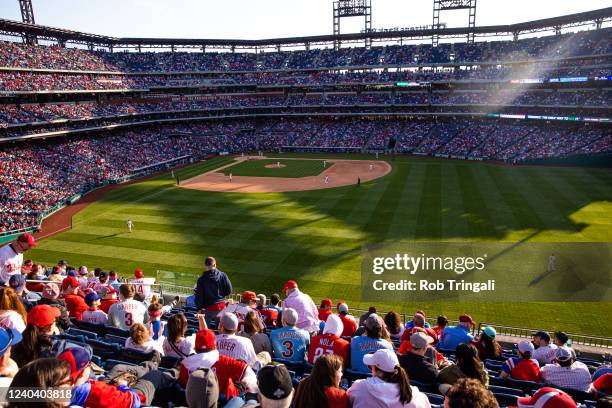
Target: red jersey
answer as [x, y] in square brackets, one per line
[105, 304]
[336, 398]
[328, 344]
[350, 325]
[603, 383]
[228, 370]
[76, 306]
[522, 369]
[269, 315]
[324, 314]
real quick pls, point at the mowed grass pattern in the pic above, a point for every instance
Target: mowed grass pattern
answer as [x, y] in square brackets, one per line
[315, 237]
[289, 168]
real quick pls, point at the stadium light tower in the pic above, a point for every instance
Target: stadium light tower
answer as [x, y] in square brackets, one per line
[444, 5]
[353, 8]
[27, 16]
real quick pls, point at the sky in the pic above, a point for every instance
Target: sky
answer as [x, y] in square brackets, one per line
[250, 19]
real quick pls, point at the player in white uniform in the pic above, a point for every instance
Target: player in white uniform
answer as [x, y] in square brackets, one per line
[11, 256]
[230, 177]
[128, 311]
[130, 224]
[93, 315]
[326, 180]
[371, 166]
[552, 260]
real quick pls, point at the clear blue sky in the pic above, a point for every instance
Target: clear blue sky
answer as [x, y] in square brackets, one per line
[266, 18]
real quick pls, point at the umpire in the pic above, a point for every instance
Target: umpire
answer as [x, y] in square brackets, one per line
[212, 288]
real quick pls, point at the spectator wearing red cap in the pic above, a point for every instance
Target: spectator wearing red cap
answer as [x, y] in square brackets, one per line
[212, 287]
[231, 345]
[109, 298]
[330, 342]
[547, 397]
[308, 315]
[74, 303]
[50, 296]
[522, 367]
[228, 370]
[11, 255]
[452, 336]
[325, 309]
[142, 285]
[37, 337]
[248, 303]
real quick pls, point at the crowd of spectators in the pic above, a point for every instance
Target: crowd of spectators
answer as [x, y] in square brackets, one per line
[31, 172]
[558, 46]
[113, 342]
[11, 114]
[22, 81]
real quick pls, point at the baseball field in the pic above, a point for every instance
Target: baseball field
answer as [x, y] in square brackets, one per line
[316, 236]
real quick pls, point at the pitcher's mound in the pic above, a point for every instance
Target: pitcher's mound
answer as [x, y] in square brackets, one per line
[342, 173]
[274, 166]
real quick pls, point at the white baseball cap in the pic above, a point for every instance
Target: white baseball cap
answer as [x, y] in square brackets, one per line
[526, 346]
[383, 359]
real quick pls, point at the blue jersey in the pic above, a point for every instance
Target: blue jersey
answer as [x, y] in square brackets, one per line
[362, 345]
[290, 343]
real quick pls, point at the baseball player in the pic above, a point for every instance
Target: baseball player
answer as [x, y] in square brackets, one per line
[371, 166]
[278, 164]
[324, 163]
[230, 177]
[552, 260]
[130, 224]
[326, 180]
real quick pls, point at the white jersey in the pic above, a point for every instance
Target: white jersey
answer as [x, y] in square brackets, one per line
[144, 290]
[10, 262]
[130, 224]
[236, 347]
[92, 283]
[124, 314]
[94, 317]
[185, 346]
[83, 280]
[241, 310]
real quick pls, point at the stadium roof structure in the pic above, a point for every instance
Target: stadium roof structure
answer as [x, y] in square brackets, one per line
[64, 36]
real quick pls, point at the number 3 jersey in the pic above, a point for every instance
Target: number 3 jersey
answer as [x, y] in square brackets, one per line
[125, 314]
[290, 343]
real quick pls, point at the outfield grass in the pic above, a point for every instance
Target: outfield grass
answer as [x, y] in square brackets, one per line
[289, 168]
[315, 237]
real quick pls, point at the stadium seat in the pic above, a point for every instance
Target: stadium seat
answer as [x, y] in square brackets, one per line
[506, 400]
[435, 398]
[79, 332]
[115, 331]
[577, 395]
[526, 386]
[99, 329]
[104, 349]
[137, 357]
[169, 362]
[506, 390]
[109, 364]
[353, 375]
[115, 339]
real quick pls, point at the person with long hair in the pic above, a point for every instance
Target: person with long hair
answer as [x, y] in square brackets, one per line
[12, 312]
[42, 373]
[140, 340]
[177, 343]
[388, 387]
[322, 387]
[252, 330]
[37, 340]
[468, 366]
[394, 324]
[487, 346]
[469, 393]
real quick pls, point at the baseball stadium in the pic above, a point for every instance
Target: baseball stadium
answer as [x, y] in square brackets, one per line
[289, 166]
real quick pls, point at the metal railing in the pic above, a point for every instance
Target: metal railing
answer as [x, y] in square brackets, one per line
[527, 333]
